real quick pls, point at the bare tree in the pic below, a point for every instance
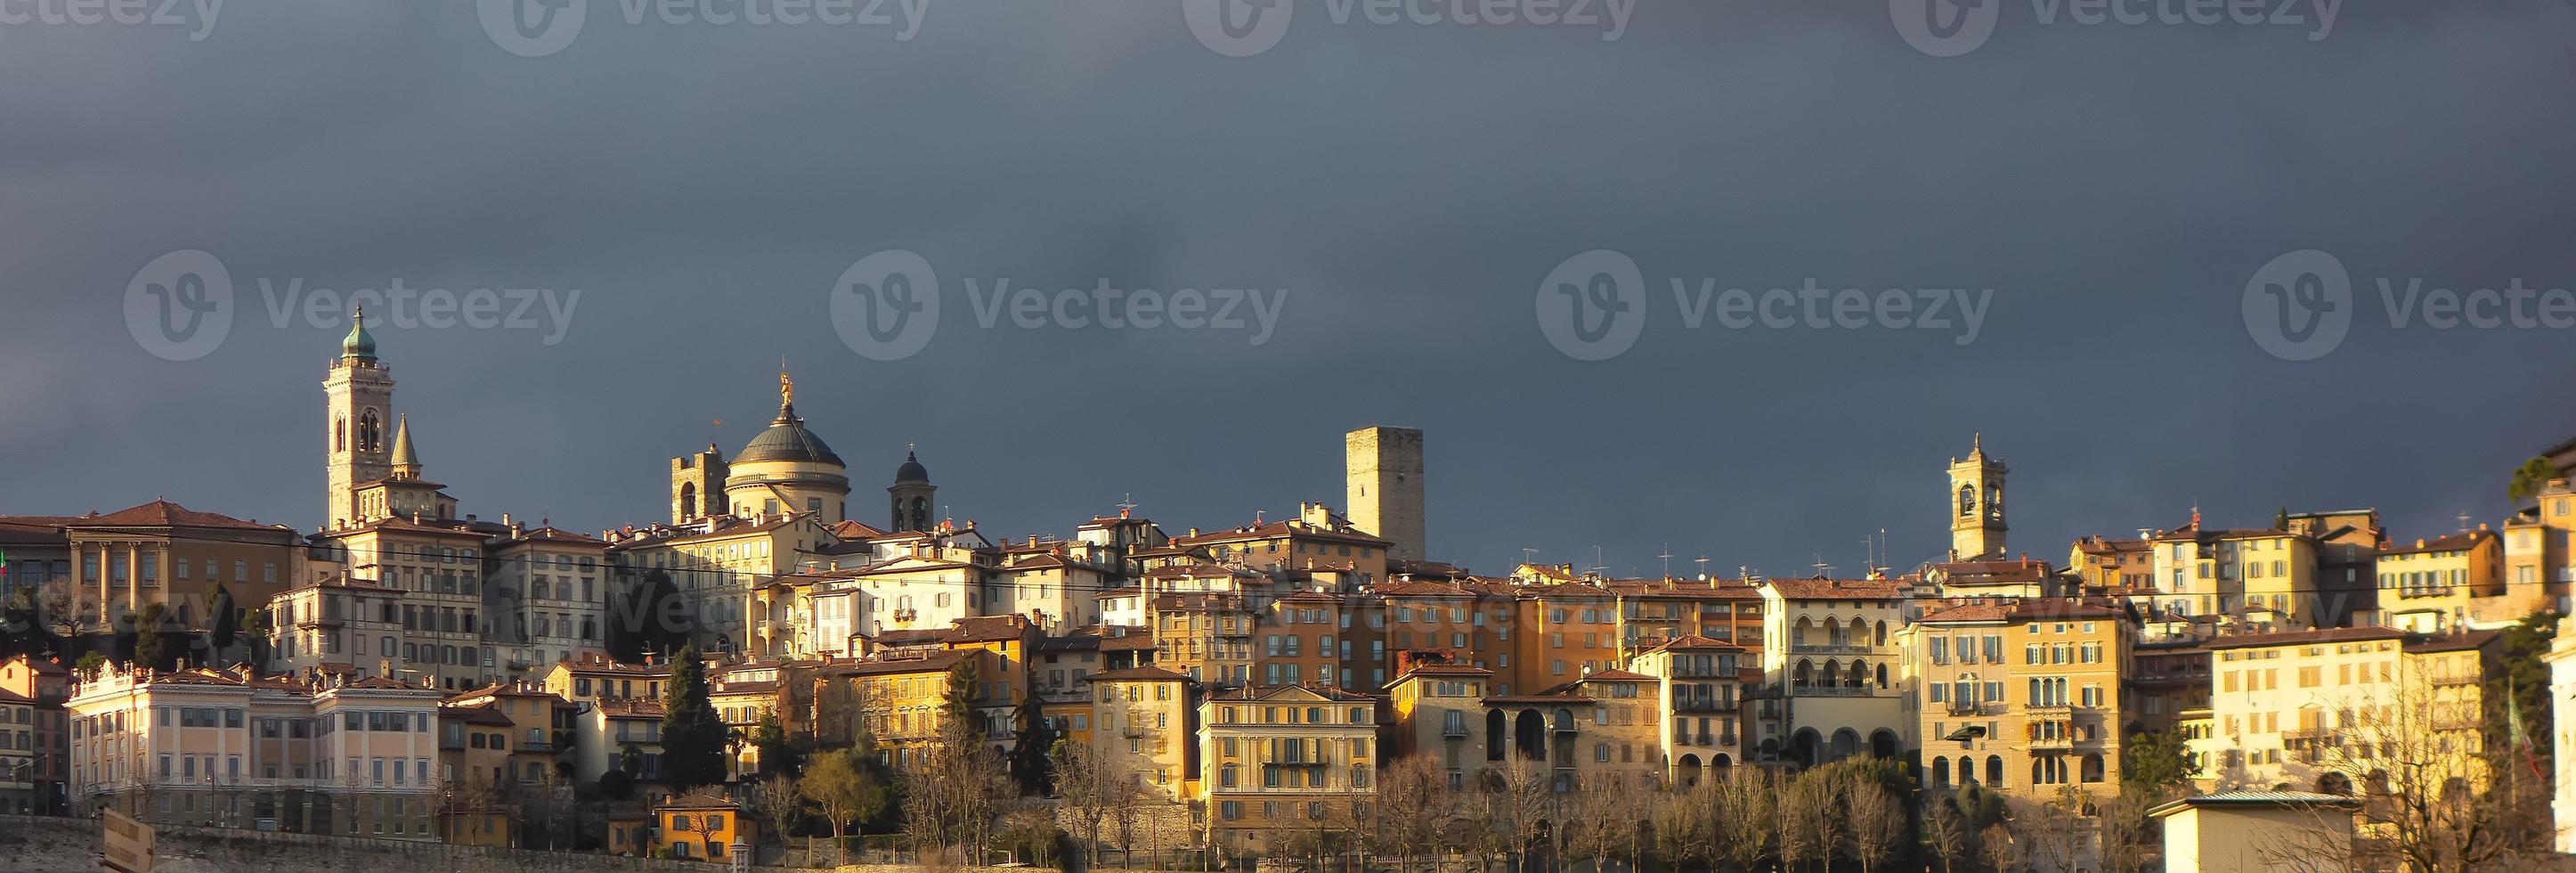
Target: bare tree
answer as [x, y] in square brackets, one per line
[1747, 816]
[2055, 832]
[1876, 820]
[1592, 823]
[1999, 850]
[954, 796]
[1082, 788]
[1414, 807]
[2441, 790]
[1519, 798]
[779, 804]
[1808, 824]
[1945, 833]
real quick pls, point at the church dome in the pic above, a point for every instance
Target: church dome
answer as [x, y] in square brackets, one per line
[911, 471]
[787, 440]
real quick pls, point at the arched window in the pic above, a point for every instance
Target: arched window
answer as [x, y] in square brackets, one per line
[1967, 770]
[1941, 772]
[1967, 500]
[1880, 638]
[1995, 770]
[1995, 500]
[340, 435]
[1832, 674]
[370, 430]
[1799, 677]
[1882, 676]
[1858, 676]
[688, 500]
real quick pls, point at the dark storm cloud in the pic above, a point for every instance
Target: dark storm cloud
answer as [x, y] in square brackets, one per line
[1409, 187]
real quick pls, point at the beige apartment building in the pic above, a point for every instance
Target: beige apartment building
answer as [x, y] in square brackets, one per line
[438, 571]
[1284, 759]
[2022, 696]
[202, 747]
[1697, 691]
[1143, 727]
[2305, 709]
[159, 552]
[2451, 581]
[2538, 544]
[1830, 659]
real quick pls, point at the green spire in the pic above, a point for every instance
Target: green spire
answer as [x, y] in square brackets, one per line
[359, 344]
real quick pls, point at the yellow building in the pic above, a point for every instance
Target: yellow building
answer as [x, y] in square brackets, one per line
[438, 570]
[161, 552]
[1695, 703]
[1280, 762]
[595, 678]
[2451, 581]
[2260, 574]
[1830, 655]
[227, 749]
[703, 826]
[2537, 547]
[1620, 741]
[898, 698]
[1143, 726]
[474, 775]
[2324, 709]
[2022, 696]
[1439, 711]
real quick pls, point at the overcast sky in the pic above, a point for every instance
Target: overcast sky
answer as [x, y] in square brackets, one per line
[1399, 192]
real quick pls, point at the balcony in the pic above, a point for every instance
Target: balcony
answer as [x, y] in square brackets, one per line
[1975, 707]
[1710, 705]
[1831, 691]
[2060, 742]
[1454, 732]
[1831, 648]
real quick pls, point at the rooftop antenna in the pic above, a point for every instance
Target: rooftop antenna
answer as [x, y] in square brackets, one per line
[1127, 504]
[1668, 560]
[1529, 555]
[1822, 569]
[1702, 561]
[2464, 521]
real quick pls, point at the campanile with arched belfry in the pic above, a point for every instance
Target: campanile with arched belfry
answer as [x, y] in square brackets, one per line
[1977, 505]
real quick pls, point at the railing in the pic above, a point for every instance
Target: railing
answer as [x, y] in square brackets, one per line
[1706, 705]
[1831, 691]
[1454, 731]
[1831, 649]
[1976, 707]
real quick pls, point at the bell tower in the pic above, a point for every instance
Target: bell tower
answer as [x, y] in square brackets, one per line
[698, 485]
[358, 401]
[911, 496]
[1977, 505]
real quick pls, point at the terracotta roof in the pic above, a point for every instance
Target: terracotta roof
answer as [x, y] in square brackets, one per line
[1139, 674]
[1836, 589]
[1266, 692]
[853, 530]
[1069, 643]
[1698, 643]
[1615, 675]
[163, 513]
[1135, 641]
[762, 686]
[1423, 589]
[699, 800]
[2305, 637]
[552, 534]
[935, 662]
[1277, 529]
[484, 714]
[988, 629]
[2455, 642]
[2458, 542]
[1444, 670]
[2021, 610]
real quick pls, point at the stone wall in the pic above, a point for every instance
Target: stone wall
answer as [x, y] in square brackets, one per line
[58, 845]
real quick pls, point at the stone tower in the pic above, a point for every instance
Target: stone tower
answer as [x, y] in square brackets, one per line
[911, 496]
[1977, 505]
[358, 411]
[1382, 467]
[697, 485]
